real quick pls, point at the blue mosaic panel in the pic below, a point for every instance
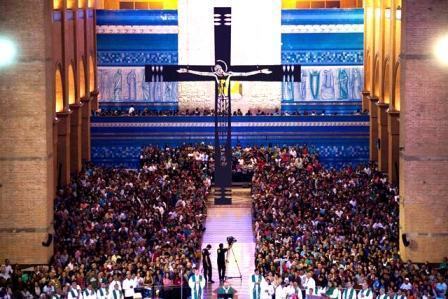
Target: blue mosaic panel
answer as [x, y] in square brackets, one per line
[136, 58]
[331, 57]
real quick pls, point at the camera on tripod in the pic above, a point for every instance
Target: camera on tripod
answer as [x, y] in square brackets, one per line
[231, 240]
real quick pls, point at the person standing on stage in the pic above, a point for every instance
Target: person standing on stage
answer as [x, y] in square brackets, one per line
[196, 284]
[222, 261]
[207, 264]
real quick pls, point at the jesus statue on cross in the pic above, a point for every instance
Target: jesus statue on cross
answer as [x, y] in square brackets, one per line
[223, 76]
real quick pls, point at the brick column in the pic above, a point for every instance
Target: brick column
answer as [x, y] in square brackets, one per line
[373, 113]
[75, 138]
[393, 134]
[55, 154]
[423, 133]
[365, 100]
[26, 134]
[383, 140]
[85, 129]
[63, 165]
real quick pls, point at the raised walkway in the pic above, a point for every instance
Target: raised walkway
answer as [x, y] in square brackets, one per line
[233, 220]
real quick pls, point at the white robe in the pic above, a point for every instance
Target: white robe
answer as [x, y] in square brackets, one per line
[252, 285]
[89, 294]
[98, 293]
[267, 290]
[280, 292]
[365, 294]
[347, 292]
[310, 284]
[74, 294]
[288, 291]
[118, 294]
[199, 281]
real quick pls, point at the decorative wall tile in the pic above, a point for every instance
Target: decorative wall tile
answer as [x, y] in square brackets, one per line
[136, 58]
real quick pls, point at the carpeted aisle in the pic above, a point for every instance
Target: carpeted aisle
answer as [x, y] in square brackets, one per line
[236, 221]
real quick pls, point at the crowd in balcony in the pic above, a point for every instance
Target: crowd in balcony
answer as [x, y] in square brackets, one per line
[132, 111]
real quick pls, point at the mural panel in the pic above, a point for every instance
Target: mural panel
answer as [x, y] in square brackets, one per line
[127, 84]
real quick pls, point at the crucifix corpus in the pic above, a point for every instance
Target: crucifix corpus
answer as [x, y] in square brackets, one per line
[222, 75]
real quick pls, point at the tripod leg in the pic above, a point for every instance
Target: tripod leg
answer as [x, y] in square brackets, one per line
[237, 265]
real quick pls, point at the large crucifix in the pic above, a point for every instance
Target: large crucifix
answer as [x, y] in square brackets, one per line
[222, 75]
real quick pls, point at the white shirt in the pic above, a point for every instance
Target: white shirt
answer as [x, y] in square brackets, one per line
[128, 287]
[310, 284]
[406, 286]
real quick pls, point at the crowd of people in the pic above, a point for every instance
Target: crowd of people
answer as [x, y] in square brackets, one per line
[319, 232]
[322, 230]
[122, 229]
[132, 111]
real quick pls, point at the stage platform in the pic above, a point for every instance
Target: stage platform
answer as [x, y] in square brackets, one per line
[117, 141]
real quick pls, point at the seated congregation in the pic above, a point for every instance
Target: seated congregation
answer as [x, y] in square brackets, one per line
[319, 232]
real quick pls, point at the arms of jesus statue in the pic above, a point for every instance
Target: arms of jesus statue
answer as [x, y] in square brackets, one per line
[247, 74]
[206, 74]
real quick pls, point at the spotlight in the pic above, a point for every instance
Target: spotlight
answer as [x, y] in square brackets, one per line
[8, 51]
[441, 50]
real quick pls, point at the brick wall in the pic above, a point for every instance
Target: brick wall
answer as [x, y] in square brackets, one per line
[423, 133]
[26, 145]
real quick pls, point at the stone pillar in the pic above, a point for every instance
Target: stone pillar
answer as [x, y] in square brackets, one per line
[63, 166]
[75, 138]
[85, 129]
[383, 141]
[373, 113]
[393, 134]
[365, 100]
[26, 134]
[423, 133]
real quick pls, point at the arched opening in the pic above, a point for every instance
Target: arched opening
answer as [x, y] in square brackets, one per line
[81, 3]
[396, 99]
[59, 91]
[386, 81]
[376, 78]
[82, 79]
[70, 3]
[57, 4]
[71, 85]
[91, 74]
